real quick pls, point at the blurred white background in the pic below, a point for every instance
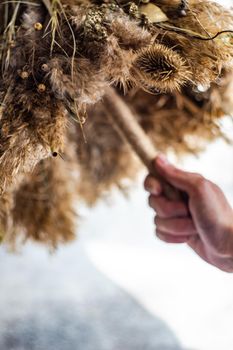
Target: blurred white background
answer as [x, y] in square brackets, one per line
[117, 287]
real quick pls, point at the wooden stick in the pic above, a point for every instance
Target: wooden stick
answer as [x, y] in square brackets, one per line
[130, 129]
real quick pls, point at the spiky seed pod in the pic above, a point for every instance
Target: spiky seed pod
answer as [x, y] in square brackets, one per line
[191, 36]
[160, 68]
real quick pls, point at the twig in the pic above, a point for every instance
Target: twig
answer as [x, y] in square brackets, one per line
[130, 129]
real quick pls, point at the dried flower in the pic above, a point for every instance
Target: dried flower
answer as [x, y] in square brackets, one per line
[160, 68]
[38, 26]
[59, 58]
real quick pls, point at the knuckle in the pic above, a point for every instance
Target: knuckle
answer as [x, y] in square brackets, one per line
[175, 171]
[199, 180]
[200, 183]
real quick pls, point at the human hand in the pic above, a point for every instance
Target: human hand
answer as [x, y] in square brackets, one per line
[205, 223]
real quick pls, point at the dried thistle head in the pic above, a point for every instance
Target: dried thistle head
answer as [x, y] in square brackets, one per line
[202, 36]
[159, 67]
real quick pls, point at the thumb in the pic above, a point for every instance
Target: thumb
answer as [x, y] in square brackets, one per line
[180, 179]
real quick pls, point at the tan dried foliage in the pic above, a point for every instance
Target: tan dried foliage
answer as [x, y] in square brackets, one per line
[58, 58]
[196, 118]
[104, 159]
[43, 208]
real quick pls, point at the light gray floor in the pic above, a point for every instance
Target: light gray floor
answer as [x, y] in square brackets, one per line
[44, 309]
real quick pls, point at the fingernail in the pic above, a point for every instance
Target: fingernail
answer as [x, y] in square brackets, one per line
[148, 187]
[153, 189]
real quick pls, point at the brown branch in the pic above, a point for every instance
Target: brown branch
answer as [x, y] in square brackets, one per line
[128, 126]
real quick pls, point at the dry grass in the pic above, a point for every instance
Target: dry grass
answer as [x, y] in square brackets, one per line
[58, 58]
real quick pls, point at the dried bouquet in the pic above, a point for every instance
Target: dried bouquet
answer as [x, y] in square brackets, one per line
[71, 71]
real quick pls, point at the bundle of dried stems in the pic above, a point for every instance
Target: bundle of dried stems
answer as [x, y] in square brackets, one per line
[171, 64]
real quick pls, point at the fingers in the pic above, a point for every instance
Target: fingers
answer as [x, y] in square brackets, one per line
[172, 239]
[180, 179]
[168, 209]
[176, 231]
[173, 221]
[152, 186]
[175, 227]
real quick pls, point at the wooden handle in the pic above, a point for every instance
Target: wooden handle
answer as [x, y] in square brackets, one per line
[130, 129]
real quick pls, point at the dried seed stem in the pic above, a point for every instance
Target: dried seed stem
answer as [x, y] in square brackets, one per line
[127, 126]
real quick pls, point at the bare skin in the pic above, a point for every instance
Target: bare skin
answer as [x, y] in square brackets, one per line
[205, 223]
